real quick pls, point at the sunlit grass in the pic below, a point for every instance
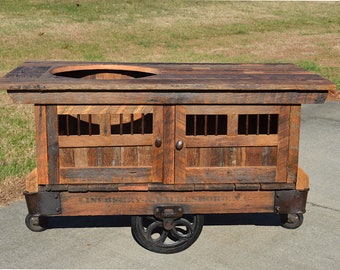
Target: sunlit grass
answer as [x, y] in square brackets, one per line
[304, 33]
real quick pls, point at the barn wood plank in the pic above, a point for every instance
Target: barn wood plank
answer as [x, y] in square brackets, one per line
[175, 97]
[282, 148]
[232, 109]
[95, 175]
[156, 154]
[41, 144]
[104, 109]
[180, 154]
[52, 144]
[226, 141]
[237, 174]
[112, 140]
[294, 137]
[144, 203]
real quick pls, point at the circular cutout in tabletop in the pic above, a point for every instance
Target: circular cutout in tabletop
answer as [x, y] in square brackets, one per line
[104, 72]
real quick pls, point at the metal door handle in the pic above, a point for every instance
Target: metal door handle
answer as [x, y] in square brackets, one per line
[179, 145]
[158, 142]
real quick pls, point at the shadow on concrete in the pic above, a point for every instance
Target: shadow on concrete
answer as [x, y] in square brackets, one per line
[124, 221]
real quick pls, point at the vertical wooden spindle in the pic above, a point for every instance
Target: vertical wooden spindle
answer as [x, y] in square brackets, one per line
[143, 123]
[90, 124]
[131, 123]
[195, 125]
[121, 124]
[67, 125]
[78, 124]
[216, 124]
[268, 125]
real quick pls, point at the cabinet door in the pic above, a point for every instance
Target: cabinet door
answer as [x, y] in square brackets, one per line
[110, 144]
[231, 144]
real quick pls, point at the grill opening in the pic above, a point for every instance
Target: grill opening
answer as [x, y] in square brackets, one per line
[203, 124]
[258, 124]
[121, 124]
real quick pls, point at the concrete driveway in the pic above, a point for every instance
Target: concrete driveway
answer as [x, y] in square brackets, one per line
[226, 242]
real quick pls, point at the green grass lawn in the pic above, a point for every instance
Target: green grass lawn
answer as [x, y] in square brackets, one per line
[304, 33]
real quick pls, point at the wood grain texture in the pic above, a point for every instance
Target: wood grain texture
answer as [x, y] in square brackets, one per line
[41, 144]
[52, 144]
[166, 77]
[283, 144]
[110, 145]
[144, 203]
[294, 138]
[95, 175]
[184, 96]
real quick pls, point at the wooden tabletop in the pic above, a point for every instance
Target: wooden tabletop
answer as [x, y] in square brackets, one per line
[164, 76]
[47, 77]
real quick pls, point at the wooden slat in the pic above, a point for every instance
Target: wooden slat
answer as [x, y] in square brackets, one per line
[144, 203]
[180, 155]
[294, 136]
[41, 144]
[133, 187]
[113, 140]
[81, 157]
[250, 174]
[129, 156]
[144, 156]
[205, 187]
[66, 157]
[52, 144]
[240, 140]
[253, 156]
[282, 149]
[104, 109]
[189, 96]
[269, 156]
[277, 186]
[232, 128]
[232, 109]
[105, 124]
[170, 187]
[157, 153]
[96, 175]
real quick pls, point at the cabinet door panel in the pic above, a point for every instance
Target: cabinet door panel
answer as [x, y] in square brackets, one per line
[110, 144]
[231, 144]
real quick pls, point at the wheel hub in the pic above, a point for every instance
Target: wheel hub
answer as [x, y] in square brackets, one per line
[168, 214]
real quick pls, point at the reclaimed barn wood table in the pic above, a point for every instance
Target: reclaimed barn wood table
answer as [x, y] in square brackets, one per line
[165, 143]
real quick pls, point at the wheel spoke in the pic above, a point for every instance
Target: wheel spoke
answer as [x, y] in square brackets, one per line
[183, 229]
[155, 232]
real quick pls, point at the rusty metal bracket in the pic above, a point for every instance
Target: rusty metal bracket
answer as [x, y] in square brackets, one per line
[290, 201]
[168, 214]
[43, 203]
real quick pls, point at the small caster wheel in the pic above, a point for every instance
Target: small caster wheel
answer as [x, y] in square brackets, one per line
[150, 233]
[291, 221]
[36, 223]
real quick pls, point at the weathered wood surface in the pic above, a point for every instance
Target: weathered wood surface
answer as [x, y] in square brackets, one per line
[190, 96]
[238, 125]
[143, 203]
[267, 155]
[152, 83]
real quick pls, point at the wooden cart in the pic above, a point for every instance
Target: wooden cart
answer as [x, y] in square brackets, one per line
[165, 143]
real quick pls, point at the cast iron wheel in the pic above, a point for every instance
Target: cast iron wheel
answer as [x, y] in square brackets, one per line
[291, 221]
[36, 223]
[150, 233]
